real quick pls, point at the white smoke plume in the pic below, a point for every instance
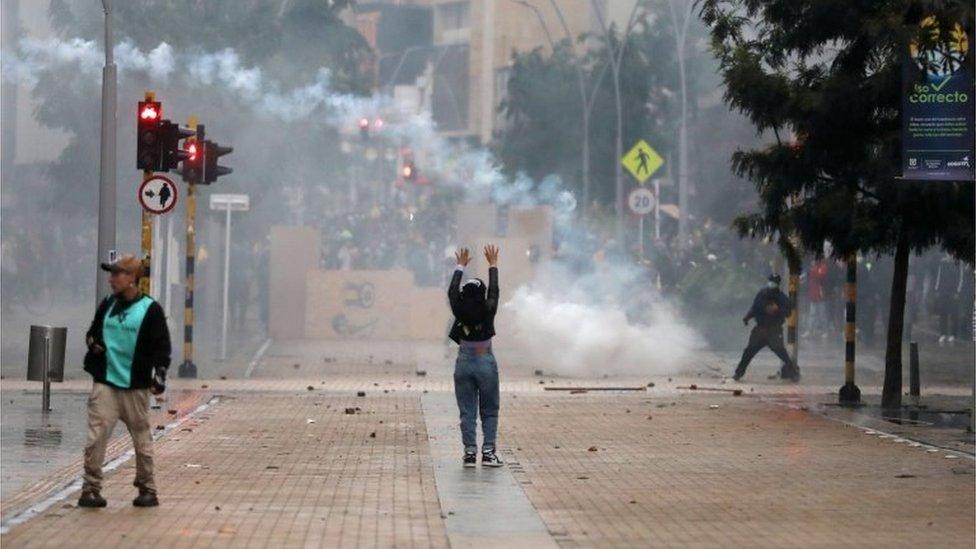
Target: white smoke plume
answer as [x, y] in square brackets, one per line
[567, 331]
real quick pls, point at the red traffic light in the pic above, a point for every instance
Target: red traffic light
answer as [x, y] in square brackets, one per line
[191, 151]
[364, 123]
[378, 123]
[149, 111]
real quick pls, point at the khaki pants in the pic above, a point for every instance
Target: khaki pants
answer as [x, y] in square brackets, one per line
[106, 406]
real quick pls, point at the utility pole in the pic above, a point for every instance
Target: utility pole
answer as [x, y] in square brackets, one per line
[680, 36]
[106, 182]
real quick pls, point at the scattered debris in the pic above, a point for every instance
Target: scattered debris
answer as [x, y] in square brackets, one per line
[227, 530]
[272, 467]
[361, 394]
[310, 388]
[592, 449]
[582, 478]
[223, 378]
[350, 410]
[904, 475]
[171, 412]
[713, 406]
[296, 365]
[651, 384]
[650, 417]
[662, 405]
[192, 466]
[633, 501]
[372, 435]
[577, 391]
[388, 362]
[309, 420]
[693, 387]
[216, 508]
[737, 392]
[641, 388]
[160, 427]
[539, 373]
[421, 373]
[204, 386]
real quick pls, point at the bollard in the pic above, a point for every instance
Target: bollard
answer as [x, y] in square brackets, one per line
[45, 359]
[915, 386]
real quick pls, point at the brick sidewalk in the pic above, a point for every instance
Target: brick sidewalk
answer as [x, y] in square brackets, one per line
[634, 471]
[253, 471]
[256, 472]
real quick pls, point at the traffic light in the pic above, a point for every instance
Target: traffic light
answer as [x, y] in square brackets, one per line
[211, 154]
[409, 171]
[364, 129]
[148, 118]
[170, 135]
[193, 164]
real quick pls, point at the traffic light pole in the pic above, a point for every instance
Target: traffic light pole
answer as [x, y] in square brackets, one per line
[145, 283]
[850, 394]
[107, 167]
[188, 368]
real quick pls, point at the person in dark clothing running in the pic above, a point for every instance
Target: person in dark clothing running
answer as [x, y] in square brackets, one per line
[476, 372]
[770, 309]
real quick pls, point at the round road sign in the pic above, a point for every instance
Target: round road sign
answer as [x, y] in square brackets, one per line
[157, 194]
[641, 201]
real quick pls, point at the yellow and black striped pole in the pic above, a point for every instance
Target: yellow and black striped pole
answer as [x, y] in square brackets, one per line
[145, 283]
[849, 393]
[188, 368]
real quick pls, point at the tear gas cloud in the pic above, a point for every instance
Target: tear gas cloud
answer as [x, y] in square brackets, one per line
[591, 318]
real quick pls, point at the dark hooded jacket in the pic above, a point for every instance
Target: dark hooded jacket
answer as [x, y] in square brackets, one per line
[473, 329]
[765, 297]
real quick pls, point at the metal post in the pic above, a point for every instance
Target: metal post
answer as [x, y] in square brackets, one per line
[657, 209]
[188, 368]
[46, 391]
[794, 320]
[850, 393]
[106, 181]
[914, 383]
[641, 229]
[223, 337]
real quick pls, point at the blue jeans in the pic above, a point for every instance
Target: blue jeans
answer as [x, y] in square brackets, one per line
[476, 389]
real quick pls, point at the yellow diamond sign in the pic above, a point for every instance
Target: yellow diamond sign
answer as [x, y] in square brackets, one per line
[642, 161]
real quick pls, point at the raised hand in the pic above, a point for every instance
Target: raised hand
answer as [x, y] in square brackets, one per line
[463, 257]
[491, 254]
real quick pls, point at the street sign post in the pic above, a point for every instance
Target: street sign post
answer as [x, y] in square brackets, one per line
[642, 161]
[229, 203]
[641, 202]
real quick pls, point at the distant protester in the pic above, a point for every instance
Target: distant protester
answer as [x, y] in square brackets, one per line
[770, 309]
[476, 371]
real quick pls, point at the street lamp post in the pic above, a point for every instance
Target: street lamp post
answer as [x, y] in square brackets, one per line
[679, 36]
[106, 182]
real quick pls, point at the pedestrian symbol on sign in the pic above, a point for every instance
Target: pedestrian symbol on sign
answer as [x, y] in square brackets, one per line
[642, 161]
[157, 194]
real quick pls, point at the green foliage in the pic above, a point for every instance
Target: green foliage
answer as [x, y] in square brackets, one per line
[830, 73]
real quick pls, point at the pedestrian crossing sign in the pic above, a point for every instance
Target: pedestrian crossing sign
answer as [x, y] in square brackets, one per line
[642, 161]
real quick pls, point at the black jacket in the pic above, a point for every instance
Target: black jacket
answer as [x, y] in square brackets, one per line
[152, 345]
[485, 330]
[765, 297]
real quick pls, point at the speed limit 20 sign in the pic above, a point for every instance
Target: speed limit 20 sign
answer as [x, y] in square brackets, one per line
[641, 201]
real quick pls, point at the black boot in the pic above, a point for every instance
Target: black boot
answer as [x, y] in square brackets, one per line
[91, 498]
[145, 499]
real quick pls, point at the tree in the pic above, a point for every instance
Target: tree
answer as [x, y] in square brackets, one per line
[829, 73]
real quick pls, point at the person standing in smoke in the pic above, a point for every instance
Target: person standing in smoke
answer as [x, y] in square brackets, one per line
[476, 371]
[770, 309]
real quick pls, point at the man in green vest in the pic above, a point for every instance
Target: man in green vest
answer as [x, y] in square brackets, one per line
[128, 355]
